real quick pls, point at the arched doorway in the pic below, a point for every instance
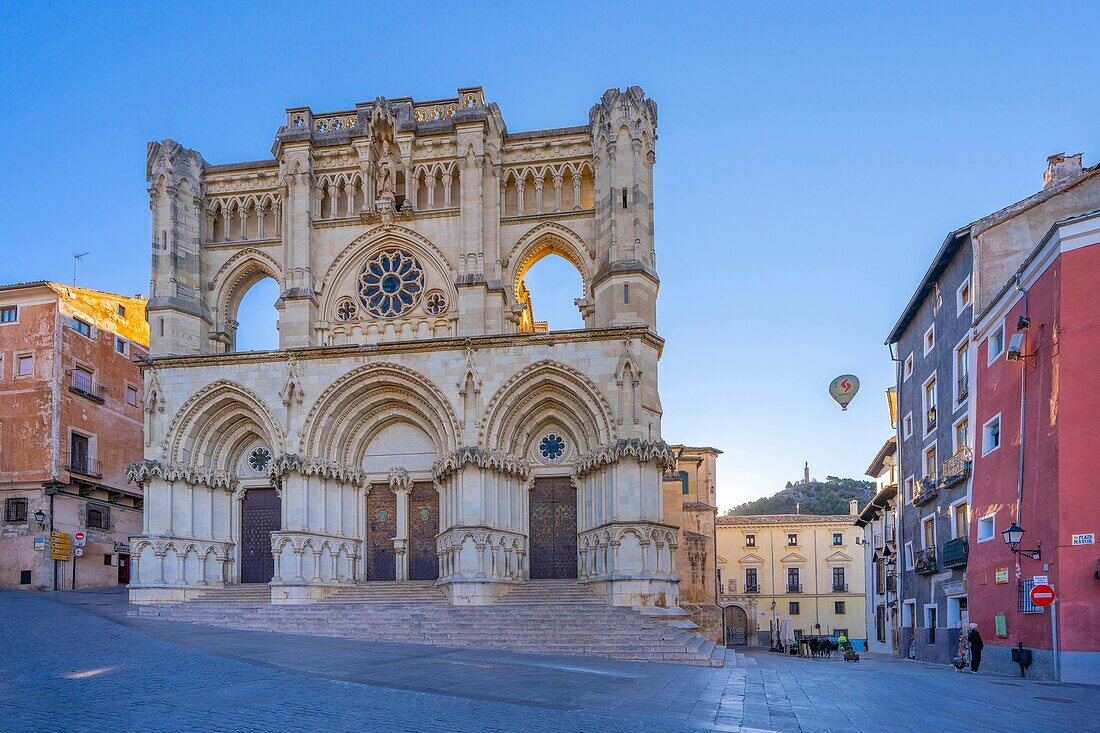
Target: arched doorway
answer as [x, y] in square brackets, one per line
[737, 626]
[423, 528]
[261, 514]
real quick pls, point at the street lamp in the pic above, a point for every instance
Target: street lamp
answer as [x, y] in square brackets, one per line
[40, 517]
[1013, 535]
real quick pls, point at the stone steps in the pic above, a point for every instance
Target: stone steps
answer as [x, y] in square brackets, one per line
[574, 622]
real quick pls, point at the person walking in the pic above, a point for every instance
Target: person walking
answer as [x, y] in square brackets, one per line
[976, 645]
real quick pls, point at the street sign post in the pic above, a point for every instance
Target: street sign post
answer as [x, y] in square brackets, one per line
[60, 545]
[78, 539]
[78, 552]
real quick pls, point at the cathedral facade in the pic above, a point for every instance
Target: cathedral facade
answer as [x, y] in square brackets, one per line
[416, 421]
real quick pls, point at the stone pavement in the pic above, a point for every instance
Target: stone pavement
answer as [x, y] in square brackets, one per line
[74, 661]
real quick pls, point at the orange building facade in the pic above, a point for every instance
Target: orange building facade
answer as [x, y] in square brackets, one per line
[71, 418]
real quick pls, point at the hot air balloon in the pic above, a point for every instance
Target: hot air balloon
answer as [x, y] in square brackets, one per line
[843, 389]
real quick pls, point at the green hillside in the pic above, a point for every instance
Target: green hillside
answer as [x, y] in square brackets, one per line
[830, 496]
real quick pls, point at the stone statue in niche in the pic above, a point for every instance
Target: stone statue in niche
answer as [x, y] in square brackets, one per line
[387, 175]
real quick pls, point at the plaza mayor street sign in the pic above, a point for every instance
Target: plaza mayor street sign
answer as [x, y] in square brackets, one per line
[1042, 595]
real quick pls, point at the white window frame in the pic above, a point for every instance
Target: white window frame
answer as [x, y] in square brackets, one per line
[907, 367]
[955, 434]
[955, 401]
[910, 557]
[15, 365]
[933, 446]
[951, 514]
[909, 608]
[992, 517]
[753, 536]
[929, 348]
[909, 486]
[137, 395]
[925, 405]
[996, 418]
[990, 355]
[125, 350]
[907, 426]
[960, 305]
[927, 607]
[924, 520]
[91, 328]
[18, 310]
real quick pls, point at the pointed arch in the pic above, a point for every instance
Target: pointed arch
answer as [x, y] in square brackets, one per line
[547, 390]
[216, 421]
[545, 239]
[233, 279]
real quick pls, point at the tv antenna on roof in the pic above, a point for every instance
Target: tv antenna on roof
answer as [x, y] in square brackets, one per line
[76, 258]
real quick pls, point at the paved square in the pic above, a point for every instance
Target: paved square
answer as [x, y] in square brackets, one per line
[71, 662]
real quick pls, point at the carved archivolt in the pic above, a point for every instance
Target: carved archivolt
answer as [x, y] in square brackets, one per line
[332, 470]
[545, 239]
[379, 237]
[239, 273]
[547, 388]
[201, 424]
[639, 449]
[351, 410]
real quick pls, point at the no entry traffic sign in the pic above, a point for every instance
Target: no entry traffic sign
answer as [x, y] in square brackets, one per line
[1042, 595]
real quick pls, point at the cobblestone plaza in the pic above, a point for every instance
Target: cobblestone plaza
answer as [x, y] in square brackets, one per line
[71, 659]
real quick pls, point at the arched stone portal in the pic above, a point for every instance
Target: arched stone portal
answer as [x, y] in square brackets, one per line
[737, 626]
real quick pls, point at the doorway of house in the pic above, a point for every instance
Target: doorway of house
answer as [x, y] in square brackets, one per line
[737, 626]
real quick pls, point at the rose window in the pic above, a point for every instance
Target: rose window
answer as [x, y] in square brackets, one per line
[552, 446]
[435, 302]
[391, 284]
[258, 459]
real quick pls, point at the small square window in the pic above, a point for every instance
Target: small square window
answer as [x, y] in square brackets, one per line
[907, 368]
[991, 435]
[131, 396]
[750, 540]
[122, 346]
[792, 539]
[838, 538]
[122, 310]
[107, 558]
[15, 510]
[9, 314]
[24, 365]
[82, 327]
[963, 299]
[987, 528]
[97, 517]
[996, 344]
[930, 339]
[839, 607]
[909, 485]
[793, 608]
[907, 426]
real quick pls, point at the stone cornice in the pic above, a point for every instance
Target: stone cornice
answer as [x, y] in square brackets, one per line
[472, 455]
[141, 472]
[641, 450]
[548, 216]
[293, 463]
[494, 341]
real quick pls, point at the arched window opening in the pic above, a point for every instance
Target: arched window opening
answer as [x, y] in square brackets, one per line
[550, 286]
[257, 320]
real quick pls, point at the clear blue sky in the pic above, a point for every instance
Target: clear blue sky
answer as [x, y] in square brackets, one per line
[811, 159]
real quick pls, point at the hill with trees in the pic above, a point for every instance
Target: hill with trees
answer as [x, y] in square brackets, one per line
[830, 496]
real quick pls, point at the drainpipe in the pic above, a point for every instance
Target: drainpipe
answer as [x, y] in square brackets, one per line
[1023, 405]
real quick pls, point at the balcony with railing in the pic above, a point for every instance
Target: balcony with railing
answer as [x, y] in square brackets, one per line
[840, 587]
[955, 553]
[962, 388]
[930, 425]
[956, 468]
[86, 466]
[81, 383]
[794, 587]
[926, 490]
[731, 589]
[925, 561]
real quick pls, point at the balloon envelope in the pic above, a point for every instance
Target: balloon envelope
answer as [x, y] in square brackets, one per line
[843, 389]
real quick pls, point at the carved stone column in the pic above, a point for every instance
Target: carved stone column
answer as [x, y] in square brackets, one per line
[401, 485]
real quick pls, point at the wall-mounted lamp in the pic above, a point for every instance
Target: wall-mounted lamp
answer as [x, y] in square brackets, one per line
[1013, 535]
[40, 517]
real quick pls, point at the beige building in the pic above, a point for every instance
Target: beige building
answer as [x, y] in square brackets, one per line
[690, 490]
[416, 422]
[70, 422]
[809, 568]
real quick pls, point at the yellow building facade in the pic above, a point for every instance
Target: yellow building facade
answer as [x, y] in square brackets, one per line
[808, 568]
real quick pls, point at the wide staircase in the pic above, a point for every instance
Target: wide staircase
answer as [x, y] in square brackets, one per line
[544, 616]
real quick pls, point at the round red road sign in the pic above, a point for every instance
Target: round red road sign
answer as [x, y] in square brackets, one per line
[1042, 595]
[79, 536]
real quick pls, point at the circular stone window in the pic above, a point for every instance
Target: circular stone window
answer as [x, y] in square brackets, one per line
[435, 302]
[346, 310]
[258, 459]
[552, 446]
[391, 284]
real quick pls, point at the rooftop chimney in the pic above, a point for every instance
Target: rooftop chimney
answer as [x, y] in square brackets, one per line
[1061, 167]
[853, 507]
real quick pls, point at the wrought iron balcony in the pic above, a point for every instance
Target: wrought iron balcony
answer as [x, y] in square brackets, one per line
[963, 387]
[955, 553]
[840, 587]
[81, 383]
[752, 589]
[926, 561]
[926, 490]
[86, 466]
[931, 419]
[957, 467]
[794, 587]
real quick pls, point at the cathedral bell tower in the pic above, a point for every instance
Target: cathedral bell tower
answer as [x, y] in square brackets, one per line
[624, 129]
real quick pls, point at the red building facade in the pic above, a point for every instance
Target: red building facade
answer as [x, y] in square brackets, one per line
[1040, 473]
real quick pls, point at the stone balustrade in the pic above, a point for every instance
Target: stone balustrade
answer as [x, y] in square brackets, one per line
[171, 569]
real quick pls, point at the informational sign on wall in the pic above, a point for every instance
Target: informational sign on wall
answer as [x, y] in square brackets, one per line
[60, 545]
[1000, 625]
[1001, 575]
[39, 544]
[1088, 538]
